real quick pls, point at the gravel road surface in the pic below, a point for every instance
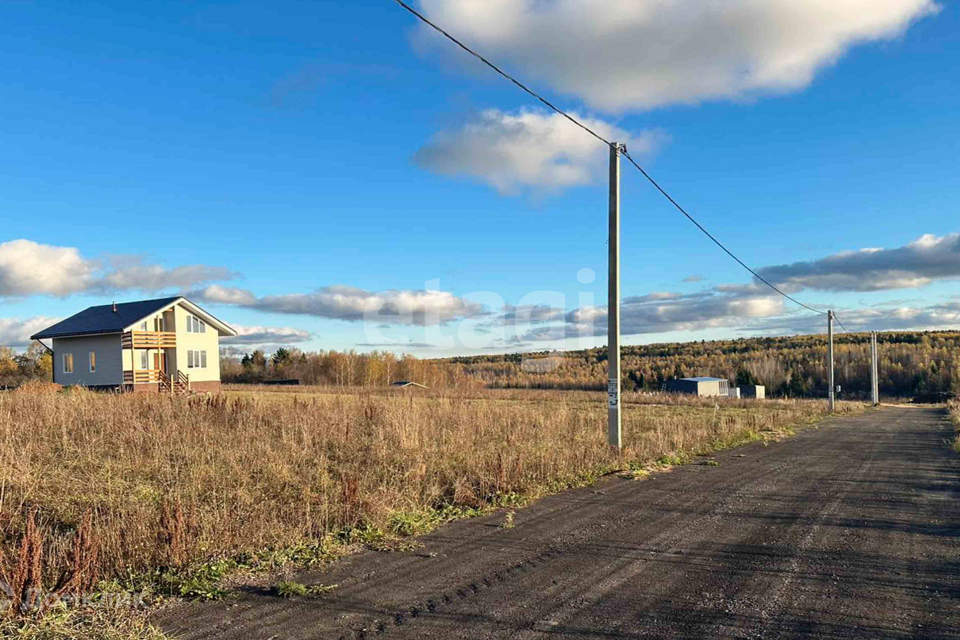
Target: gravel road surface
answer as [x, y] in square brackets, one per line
[850, 530]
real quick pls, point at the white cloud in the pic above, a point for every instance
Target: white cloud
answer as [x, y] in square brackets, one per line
[266, 335]
[640, 54]
[217, 294]
[660, 312]
[340, 302]
[912, 266]
[15, 332]
[754, 308]
[397, 345]
[528, 149]
[28, 268]
[31, 268]
[531, 313]
[884, 317]
[744, 314]
[132, 274]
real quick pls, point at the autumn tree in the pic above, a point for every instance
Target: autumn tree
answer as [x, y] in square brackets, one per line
[8, 366]
[745, 377]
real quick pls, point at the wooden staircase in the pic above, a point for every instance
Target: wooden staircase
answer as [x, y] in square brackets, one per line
[182, 383]
[176, 385]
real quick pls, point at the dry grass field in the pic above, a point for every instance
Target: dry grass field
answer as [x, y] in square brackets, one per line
[165, 495]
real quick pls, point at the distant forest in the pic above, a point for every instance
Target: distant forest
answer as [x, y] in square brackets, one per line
[911, 364]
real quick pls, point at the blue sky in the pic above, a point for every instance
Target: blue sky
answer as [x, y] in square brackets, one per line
[282, 149]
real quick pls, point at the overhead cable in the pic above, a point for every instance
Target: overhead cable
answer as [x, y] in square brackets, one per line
[596, 135]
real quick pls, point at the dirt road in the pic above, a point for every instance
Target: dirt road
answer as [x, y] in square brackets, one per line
[851, 530]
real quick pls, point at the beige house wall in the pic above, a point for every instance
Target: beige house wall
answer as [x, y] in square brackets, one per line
[209, 342]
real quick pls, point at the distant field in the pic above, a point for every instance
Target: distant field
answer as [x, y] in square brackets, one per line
[163, 483]
[597, 398]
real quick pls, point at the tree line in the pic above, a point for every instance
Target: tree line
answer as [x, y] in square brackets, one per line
[342, 368]
[910, 363]
[35, 363]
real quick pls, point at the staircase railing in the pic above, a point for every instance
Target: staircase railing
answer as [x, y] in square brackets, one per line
[179, 383]
[142, 376]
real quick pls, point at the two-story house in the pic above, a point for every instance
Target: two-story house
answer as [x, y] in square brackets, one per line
[168, 345]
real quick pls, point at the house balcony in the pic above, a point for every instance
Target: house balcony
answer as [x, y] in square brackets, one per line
[148, 340]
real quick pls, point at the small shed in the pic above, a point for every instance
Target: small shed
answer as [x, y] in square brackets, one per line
[705, 387]
[405, 384]
[756, 391]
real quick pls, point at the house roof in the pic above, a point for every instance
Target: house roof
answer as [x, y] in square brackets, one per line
[703, 379]
[103, 319]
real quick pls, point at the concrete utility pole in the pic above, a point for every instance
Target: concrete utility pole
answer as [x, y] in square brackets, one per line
[875, 368]
[876, 364]
[833, 389]
[614, 432]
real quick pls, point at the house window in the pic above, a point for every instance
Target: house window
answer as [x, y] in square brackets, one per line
[196, 359]
[196, 325]
[93, 362]
[161, 324]
[143, 326]
[68, 363]
[144, 359]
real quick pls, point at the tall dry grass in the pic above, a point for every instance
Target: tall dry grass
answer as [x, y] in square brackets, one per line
[122, 484]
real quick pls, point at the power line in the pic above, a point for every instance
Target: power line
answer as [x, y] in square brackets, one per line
[504, 74]
[839, 323]
[608, 143]
[715, 241]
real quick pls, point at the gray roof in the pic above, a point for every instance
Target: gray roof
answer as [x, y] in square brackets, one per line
[103, 319]
[703, 379]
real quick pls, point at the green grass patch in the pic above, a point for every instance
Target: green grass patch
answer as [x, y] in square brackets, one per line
[291, 589]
